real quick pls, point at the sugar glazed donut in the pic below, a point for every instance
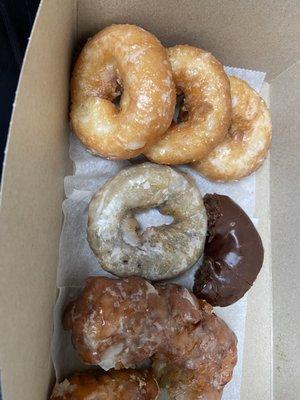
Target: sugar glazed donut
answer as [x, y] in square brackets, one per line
[159, 252]
[206, 113]
[117, 323]
[113, 385]
[198, 360]
[247, 142]
[127, 60]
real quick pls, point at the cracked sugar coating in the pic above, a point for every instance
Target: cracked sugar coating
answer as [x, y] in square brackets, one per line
[201, 78]
[198, 360]
[127, 60]
[114, 385]
[119, 323]
[248, 140]
[158, 252]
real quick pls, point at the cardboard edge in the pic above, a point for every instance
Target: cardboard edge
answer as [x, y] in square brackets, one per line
[285, 234]
[13, 112]
[259, 320]
[12, 364]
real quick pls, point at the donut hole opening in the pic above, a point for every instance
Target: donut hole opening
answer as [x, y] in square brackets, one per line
[181, 113]
[118, 92]
[139, 221]
[117, 101]
[151, 217]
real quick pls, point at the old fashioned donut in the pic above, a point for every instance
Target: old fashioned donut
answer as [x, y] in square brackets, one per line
[113, 385]
[248, 140]
[233, 253]
[159, 252]
[127, 60]
[206, 112]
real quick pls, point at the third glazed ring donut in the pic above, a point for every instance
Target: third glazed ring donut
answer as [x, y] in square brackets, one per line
[248, 140]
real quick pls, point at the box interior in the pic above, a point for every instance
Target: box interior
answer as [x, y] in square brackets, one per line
[256, 35]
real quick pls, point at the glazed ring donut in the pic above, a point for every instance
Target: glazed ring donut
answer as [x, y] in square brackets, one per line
[248, 140]
[158, 252]
[207, 104]
[127, 60]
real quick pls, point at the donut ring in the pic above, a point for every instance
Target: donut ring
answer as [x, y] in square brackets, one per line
[159, 252]
[129, 58]
[207, 100]
[248, 140]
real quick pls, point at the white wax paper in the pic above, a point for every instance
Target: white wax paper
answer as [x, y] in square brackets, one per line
[77, 262]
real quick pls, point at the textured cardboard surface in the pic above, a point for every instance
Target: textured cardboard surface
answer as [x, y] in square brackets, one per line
[258, 355]
[257, 35]
[285, 234]
[32, 190]
[261, 35]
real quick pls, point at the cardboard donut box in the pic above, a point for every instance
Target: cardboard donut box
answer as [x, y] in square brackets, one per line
[256, 35]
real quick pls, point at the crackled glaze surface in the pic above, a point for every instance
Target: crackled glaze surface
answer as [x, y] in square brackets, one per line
[127, 60]
[199, 359]
[248, 140]
[115, 385]
[158, 252]
[119, 323]
[202, 80]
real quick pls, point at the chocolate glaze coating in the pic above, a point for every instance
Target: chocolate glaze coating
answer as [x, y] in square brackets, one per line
[233, 253]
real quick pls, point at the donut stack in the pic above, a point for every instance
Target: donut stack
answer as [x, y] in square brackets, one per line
[131, 96]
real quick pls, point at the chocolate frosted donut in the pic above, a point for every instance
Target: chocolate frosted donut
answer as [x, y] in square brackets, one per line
[233, 253]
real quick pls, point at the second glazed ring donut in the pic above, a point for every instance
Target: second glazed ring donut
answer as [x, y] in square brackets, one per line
[158, 252]
[206, 110]
[127, 60]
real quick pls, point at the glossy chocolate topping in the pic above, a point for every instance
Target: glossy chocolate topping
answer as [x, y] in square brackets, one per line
[233, 253]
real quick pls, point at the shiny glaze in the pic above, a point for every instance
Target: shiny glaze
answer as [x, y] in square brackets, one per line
[233, 254]
[113, 385]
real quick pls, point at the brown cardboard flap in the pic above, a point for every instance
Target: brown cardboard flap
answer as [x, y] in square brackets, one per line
[261, 35]
[32, 191]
